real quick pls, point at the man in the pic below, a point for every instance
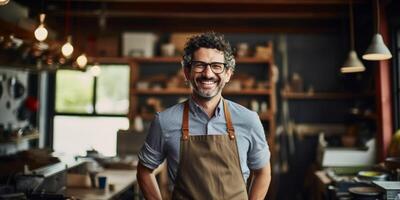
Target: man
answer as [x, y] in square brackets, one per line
[211, 144]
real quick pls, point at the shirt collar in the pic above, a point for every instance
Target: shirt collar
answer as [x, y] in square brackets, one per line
[195, 108]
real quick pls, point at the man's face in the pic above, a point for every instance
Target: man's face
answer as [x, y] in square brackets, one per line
[207, 84]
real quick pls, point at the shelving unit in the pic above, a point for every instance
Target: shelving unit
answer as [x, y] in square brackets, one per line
[266, 93]
[360, 112]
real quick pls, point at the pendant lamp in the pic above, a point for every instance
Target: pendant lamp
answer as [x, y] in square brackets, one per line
[81, 61]
[352, 64]
[67, 49]
[377, 49]
[41, 31]
[4, 2]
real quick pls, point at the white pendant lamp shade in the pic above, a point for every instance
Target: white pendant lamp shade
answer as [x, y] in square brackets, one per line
[377, 50]
[67, 49]
[41, 32]
[352, 64]
[4, 2]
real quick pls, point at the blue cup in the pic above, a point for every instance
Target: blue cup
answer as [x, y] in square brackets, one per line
[102, 182]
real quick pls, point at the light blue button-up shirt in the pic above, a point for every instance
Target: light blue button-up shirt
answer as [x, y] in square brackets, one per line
[163, 139]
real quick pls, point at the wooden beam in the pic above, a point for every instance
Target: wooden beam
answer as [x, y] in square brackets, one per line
[201, 15]
[118, 25]
[314, 2]
[384, 95]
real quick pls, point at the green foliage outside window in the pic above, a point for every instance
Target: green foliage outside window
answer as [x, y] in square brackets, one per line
[74, 92]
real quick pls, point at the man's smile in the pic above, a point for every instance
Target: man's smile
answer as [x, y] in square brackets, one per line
[207, 83]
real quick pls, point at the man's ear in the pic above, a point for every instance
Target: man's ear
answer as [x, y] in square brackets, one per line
[229, 73]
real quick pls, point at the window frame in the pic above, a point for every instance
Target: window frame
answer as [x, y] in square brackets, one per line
[94, 99]
[51, 98]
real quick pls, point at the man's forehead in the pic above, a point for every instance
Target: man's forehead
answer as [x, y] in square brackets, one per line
[208, 51]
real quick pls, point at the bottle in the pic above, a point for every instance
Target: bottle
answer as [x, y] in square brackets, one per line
[138, 124]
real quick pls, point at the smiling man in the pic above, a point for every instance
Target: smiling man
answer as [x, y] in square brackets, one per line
[211, 144]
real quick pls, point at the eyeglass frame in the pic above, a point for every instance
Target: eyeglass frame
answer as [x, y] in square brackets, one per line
[205, 64]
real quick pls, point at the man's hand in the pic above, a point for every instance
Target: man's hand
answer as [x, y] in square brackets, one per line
[148, 183]
[261, 180]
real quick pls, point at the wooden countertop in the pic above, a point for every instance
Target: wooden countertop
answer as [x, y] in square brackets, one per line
[122, 180]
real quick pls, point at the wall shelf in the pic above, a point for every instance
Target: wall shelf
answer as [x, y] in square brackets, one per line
[21, 138]
[177, 59]
[324, 95]
[184, 91]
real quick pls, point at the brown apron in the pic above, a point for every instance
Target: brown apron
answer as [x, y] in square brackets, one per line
[209, 166]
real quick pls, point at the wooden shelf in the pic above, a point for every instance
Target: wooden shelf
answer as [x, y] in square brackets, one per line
[21, 138]
[176, 91]
[250, 60]
[371, 116]
[158, 60]
[324, 95]
[248, 92]
[183, 91]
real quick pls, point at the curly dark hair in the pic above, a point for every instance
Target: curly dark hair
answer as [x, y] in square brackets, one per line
[208, 40]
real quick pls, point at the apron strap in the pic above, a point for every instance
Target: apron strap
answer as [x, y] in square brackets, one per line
[229, 125]
[185, 121]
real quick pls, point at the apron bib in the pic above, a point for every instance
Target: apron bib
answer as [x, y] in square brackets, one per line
[209, 165]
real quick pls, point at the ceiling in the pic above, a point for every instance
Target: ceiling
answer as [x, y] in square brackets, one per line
[195, 15]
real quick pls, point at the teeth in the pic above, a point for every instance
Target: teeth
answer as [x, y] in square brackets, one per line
[207, 82]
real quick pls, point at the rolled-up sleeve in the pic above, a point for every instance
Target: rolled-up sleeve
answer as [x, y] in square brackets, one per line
[151, 154]
[258, 154]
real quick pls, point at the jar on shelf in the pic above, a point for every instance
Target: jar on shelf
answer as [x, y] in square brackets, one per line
[242, 49]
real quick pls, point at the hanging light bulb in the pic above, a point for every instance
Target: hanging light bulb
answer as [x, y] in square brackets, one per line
[95, 70]
[352, 64]
[377, 49]
[41, 32]
[67, 49]
[81, 61]
[4, 2]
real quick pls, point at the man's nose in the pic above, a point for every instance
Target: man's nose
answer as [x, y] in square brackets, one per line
[207, 71]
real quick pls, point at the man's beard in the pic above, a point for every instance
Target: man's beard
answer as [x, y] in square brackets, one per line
[206, 93]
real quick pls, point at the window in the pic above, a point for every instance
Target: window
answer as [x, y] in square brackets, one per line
[74, 92]
[89, 110]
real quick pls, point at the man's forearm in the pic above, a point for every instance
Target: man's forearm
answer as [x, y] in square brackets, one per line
[148, 183]
[261, 181]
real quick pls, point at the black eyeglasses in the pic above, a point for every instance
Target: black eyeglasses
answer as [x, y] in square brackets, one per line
[200, 66]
